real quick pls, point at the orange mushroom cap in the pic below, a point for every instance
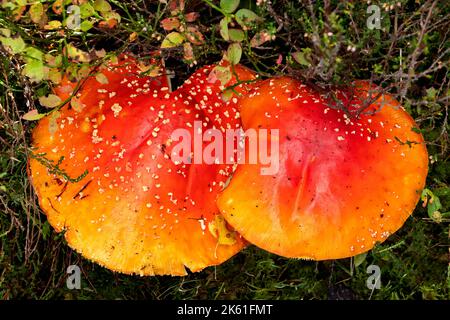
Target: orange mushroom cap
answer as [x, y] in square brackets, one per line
[135, 211]
[344, 182]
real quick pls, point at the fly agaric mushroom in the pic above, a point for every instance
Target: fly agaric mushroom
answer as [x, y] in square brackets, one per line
[344, 183]
[105, 177]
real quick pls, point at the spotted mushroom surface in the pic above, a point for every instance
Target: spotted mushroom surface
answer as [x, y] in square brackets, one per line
[205, 92]
[344, 182]
[105, 177]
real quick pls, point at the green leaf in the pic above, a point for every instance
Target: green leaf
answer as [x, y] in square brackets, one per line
[234, 53]
[34, 68]
[86, 25]
[52, 25]
[236, 35]
[229, 5]
[378, 68]
[108, 15]
[437, 217]
[86, 10]
[300, 57]
[54, 75]
[33, 115]
[223, 24]
[15, 43]
[34, 53]
[5, 32]
[36, 12]
[77, 54]
[173, 39]
[359, 259]
[102, 6]
[434, 204]
[21, 3]
[50, 101]
[246, 17]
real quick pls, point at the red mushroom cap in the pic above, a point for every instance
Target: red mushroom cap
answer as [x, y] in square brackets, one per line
[135, 211]
[344, 182]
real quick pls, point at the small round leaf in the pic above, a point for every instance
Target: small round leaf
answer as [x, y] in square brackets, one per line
[229, 5]
[50, 101]
[173, 39]
[234, 53]
[246, 17]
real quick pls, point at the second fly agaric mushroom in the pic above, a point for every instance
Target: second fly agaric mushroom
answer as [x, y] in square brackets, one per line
[345, 182]
[106, 178]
